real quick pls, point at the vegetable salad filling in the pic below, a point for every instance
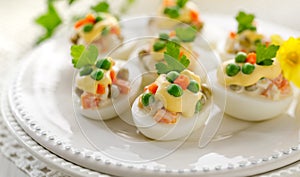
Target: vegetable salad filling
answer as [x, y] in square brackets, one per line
[246, 38]
[97, 81]
[95, 28]
[256, 74]
[184, 11]
[177, 91]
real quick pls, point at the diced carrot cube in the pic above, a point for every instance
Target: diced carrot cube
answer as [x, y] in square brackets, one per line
[183, 81]
[232, 35]
[251, 58]
[194, 15]
[112, 75]
[100, 89]
[153, 88]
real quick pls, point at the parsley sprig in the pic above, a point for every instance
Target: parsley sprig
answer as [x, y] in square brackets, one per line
[102, 6]
[173, 11]
[245, 22]
[83, 56]
[174, 62]
[265, 54]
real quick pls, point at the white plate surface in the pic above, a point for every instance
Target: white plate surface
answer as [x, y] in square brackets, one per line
[41, 100]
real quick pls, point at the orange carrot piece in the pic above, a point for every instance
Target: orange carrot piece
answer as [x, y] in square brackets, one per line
[100, 89]
[232, 35]
[153, 88]
[168, 3]
[172, 33]
[88, 19]
[112, 75]
[251, 58]
[194, 15]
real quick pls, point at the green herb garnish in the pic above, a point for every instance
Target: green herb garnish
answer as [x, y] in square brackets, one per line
[83, 56]
[265, 54]
[186, 34]
[245, 22]
[173, 61]
[172, 12]
[49, 21]
[102, 6]
[181, 3]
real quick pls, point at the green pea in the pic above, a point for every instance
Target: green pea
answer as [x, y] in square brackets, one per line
[248, 68]
[198, 106]
[103, 64]
[232, 69]
[175, 90]
[163, 36]
[147, 99]
[97, 74]
[158, 45]
[86, 70]
[193, 86]
[241, 57]
[87, 28]
[171, 76]
[98, 19]
[172, 12]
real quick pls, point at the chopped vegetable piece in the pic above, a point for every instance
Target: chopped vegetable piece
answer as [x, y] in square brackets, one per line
[159, 45]
[112, 75]
[153, 88]
[232, 69]
[175, 90]
[251, 58]
[103, 64]
[102, 6]
[86, 70]
[172, 12]
[198, 106]
[88, 27]
[100, 89]
[183, 81]
[98, 19]
[163, 36]
[147, 99]
[171, 76]
[194, 15]
[248, 68]
[193, 86]
[88, 19]
[164, 116]
[97, 74]
[241, 57]
[122, 85]
[232, 35]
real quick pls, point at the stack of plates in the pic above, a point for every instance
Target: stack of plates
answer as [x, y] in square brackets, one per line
[38, 108]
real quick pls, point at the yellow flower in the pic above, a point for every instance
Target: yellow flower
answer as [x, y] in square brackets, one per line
[288, 56]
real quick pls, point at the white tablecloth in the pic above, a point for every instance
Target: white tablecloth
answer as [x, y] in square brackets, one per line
[18, 33]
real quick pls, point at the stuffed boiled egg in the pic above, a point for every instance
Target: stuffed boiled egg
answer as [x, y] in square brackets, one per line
[103, 87]
[253, 85]
[245, 38]
[101, 29]
[153, 52]
[174, 105]
[181, 11]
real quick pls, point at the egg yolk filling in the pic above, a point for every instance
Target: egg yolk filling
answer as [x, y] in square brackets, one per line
[97, 84]
[171, 95]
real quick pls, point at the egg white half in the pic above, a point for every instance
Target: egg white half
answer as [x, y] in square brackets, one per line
[165, 132]
[116, 106]
[245, 107]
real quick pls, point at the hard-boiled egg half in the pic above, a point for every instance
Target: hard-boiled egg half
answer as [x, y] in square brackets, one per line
[174, 105]
[245, 38]
[153, 52]
[181, 12]
[101, 29]
[254, 86]
[103, 87]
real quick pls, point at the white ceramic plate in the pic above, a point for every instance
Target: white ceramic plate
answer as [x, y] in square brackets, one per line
[41, 100]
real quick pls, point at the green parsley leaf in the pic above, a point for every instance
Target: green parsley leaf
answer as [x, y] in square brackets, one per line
[186, 34]
[173, 62]
[102, 6]
[172, 12]
[245, 22]
[49, 21]
[83, 56]
[181, 3]
[265, 54]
